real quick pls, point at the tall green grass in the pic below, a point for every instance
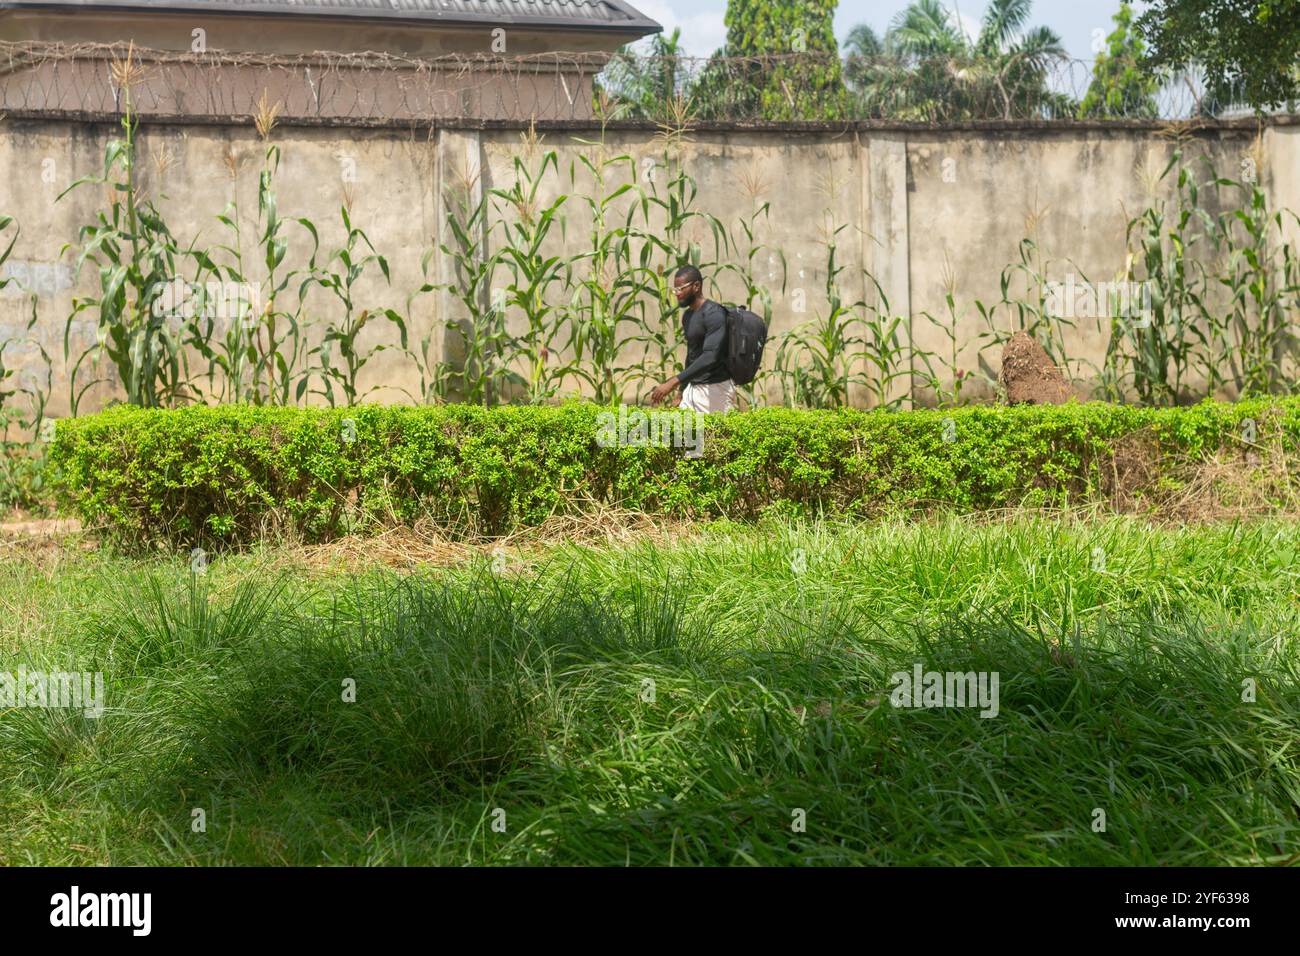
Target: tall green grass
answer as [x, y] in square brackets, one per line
[674, 704]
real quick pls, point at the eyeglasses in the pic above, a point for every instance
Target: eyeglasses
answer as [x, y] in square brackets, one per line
[679, 288]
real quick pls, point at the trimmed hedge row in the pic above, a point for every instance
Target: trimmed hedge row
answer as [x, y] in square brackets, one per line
[223, 475]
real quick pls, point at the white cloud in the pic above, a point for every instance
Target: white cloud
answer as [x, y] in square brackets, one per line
[702, 33]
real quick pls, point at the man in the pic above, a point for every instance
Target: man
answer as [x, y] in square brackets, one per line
[706, 384]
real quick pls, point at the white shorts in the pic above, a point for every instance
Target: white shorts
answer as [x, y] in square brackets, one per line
[718, 397]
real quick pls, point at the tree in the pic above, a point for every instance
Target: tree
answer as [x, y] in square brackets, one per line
[642, 83]
[925, 29]
[863, 42]
[863, 50]
[796, 71]
[929, 69]
[1121, 84]
[1248, 49]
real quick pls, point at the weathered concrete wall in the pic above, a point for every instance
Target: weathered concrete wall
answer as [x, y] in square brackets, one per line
[925, 213]
[194, 174]
[974, 197]
[1282, 172]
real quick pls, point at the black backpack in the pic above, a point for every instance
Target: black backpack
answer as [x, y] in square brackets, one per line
[746, 336]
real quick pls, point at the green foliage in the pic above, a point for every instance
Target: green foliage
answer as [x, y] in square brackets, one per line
[257, 344]
[542, 314]
[1121, 84]
[927, 69]
[339, 275]
[802, 80]
[642, 83]
[851, 344]
[583, 315]
[1248, 51]
[264, 348]
[610, 279]
[225, 475]
[535, 270]
[1222, 277]
[1150, 354]
[950, 327]
[1260, 272]
[137, 258]
[668, 246]
[670, 702]
[1026, 297]
[861, 48]
[480, 373]
[23, 425]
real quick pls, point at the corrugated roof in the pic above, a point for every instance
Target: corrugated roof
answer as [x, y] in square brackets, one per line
[591, 14]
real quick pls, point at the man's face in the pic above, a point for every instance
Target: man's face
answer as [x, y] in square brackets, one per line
[685, 290]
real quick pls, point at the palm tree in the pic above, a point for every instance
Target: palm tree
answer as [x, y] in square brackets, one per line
[862, 50]
[641, 84]
[927, 68]
[862, 41]
[925, 29]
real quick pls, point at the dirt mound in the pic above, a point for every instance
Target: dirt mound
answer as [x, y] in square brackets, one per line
[1029, 375]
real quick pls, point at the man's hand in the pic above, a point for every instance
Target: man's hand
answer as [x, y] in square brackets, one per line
[663, 391]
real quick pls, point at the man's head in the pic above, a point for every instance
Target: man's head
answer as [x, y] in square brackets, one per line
[688, 286]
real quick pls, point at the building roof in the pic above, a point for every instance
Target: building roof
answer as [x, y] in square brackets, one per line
[605, 15]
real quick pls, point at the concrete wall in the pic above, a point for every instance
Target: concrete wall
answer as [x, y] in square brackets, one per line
[924, 212]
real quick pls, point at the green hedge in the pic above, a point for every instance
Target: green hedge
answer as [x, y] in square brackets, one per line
[224, 475]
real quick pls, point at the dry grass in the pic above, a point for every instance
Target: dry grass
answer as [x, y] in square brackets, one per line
[1226, 487]
[425, 545]
[41, 542]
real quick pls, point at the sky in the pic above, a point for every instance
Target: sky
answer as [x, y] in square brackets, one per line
[1081, 24]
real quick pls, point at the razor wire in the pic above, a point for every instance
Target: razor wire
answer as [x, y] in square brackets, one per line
[94, 80]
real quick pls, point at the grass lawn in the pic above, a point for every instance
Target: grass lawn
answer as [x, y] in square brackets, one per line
[723, 698]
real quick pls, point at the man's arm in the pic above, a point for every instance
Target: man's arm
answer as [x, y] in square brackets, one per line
[715, 334]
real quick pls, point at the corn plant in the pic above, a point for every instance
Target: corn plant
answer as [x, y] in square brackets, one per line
[949, 326]
[1151, 355]
[22, 456]
[670, 218]
[351, 258]
[137, 258]
[5, 282]
[229, 349]
[1028, 312]
[1219, 287]
[24, 433]
[1261, 276]
[815, 361]
[887, 350]
[484, 375]
[265, 344]
[608, 284]
[533, 272]
[757, 295]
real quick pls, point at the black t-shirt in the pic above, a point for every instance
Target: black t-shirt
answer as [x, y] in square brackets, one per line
[706, 337]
